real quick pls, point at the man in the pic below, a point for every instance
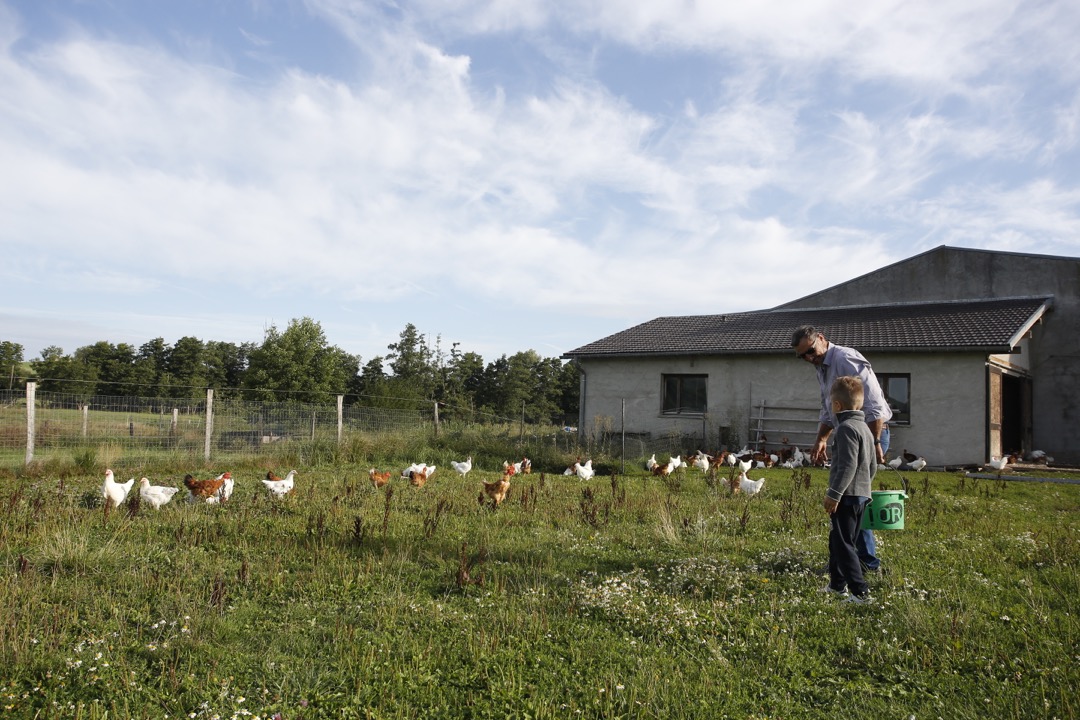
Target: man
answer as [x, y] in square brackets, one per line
[833, 361]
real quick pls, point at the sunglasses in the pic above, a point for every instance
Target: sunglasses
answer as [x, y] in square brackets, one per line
[810, 353]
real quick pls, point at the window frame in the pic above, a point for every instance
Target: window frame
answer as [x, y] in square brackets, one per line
[900, 417]
[675, 406]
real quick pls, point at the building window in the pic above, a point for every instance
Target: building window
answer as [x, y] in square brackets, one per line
[684, 394]
[897, 389]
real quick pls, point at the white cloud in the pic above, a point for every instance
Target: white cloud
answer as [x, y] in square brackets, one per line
[834, 135]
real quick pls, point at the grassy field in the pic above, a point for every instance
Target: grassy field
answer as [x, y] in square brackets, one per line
[620, 597]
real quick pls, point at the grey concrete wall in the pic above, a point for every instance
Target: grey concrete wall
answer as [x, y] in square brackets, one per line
[948, 422]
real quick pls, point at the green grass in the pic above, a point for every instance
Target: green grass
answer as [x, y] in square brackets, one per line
[617, 598]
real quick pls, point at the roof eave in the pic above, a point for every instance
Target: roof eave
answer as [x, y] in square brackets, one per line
[997, 349]
[1035, 318]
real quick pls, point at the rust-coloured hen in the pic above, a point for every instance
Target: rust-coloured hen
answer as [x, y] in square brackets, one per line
[497, 490]
[203, 489]
[378, 479]
[418, 477]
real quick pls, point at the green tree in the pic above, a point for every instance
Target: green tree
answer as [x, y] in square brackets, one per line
[461, 379]
[525, 383]
[115, 368]
[411, 361]
[298, 364]
[11, 360]
[186, 364]
[372, 378]
[226, 364]
[62, 373]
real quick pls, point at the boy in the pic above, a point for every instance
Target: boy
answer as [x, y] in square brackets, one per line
[854, 463]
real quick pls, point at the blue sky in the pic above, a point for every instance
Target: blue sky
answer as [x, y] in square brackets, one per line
[509, 174]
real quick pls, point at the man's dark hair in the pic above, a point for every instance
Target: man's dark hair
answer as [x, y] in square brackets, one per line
[801, 333]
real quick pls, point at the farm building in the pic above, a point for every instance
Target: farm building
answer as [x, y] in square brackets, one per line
[978, 352]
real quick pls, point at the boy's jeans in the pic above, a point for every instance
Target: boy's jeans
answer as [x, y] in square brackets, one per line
[845, 570]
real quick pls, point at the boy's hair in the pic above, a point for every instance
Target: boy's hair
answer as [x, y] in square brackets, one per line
[848, 391]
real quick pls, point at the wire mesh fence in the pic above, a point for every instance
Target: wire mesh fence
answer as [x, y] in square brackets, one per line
[60, 421]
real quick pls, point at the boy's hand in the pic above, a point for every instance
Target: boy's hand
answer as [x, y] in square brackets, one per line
[830, 505]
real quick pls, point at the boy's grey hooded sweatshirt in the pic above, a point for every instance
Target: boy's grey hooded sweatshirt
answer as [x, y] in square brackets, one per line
[854, 460]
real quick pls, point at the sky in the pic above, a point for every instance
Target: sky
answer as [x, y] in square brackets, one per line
[509, 175]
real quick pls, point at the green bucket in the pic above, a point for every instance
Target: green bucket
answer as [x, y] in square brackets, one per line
[885, 511]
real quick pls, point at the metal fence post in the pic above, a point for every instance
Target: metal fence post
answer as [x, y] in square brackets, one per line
[209, 422]
[31, 391]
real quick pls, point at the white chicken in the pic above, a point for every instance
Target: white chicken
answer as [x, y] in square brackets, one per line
[998, 464]
[155, 495]
[745, 462]
[279, 487]
[896, 462]
[917, 464]
[651, 463]
[585, 472]
[750, 487]
[1039, 456]
[798, 457]
[114, 492]
[677, 462]
[462, 468]
[701, 460]
[415, 468]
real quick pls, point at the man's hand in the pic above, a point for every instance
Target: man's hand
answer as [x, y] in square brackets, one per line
[830, 505]
[817, 453]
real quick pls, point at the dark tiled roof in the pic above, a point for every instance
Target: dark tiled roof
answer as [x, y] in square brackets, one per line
[984, 325]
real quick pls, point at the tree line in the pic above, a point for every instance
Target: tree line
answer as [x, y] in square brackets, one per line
[298, 364]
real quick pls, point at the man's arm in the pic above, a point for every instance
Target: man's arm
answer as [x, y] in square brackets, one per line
[875, 429]
[817, 453]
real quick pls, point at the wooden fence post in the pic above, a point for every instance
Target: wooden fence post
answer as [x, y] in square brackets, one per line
[209, 422]
[340, 405]
[85, 421]
[622, 431]
[31, 391]
[436, 418]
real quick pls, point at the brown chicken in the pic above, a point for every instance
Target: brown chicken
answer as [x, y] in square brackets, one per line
[203, 488]
[418, 477]
[378, 479]
[497, 490]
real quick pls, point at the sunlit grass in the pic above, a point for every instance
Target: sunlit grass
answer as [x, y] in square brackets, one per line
[620, 597]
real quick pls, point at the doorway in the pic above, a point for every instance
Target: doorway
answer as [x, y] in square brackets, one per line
[1009, 412]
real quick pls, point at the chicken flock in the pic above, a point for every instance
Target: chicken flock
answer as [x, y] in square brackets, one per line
[208, 491]
[731, 469]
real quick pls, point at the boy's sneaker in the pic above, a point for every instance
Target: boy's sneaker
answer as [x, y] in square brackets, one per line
[830, 590]
[859, 599]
